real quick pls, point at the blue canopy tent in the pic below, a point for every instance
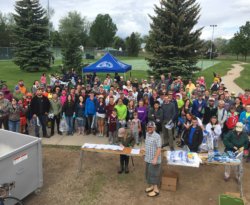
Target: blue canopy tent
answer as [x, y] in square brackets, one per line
[107, 64]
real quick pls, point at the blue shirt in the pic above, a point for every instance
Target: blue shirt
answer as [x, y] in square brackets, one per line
[191, 134]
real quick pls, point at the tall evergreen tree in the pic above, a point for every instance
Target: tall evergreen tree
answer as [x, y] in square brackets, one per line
[133, 44]
[31, 36]
[73, 32]
[172, 38]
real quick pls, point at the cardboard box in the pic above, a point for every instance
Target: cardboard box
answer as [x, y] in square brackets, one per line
[237, 195]
[169, 181]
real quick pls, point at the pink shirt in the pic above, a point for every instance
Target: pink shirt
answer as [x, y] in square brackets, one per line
[43, 79]
[63, 99]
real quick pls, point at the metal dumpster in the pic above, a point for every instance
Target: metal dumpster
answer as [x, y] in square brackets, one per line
[20, 161]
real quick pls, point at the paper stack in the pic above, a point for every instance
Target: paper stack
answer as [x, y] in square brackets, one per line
[103, 147]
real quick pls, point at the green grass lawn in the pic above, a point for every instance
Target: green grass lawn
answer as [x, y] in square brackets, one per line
[11, 73]
[243, 81]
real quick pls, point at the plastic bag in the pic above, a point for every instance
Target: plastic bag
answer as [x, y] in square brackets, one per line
[94, 122]
[63, 127]
[207, 142]
[169, 125]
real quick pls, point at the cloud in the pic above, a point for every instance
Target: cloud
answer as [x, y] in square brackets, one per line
[132, 16]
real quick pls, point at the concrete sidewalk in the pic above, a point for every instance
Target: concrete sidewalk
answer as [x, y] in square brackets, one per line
[75, 140]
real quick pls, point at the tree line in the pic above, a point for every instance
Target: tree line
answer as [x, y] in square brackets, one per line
[174, 44]
[31, 33]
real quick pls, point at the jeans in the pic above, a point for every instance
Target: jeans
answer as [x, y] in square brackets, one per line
[143, 130]
[69, 121]
[112, 137]
[14, 126]
[42, 121]
[4, 122]
[57, 119]
[80, 122]
[91, 119]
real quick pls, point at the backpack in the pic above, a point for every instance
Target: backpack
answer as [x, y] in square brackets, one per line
[231, 121]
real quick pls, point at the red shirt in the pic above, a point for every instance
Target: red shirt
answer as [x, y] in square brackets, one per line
[109, 109]
[112, 123]
[245, 100]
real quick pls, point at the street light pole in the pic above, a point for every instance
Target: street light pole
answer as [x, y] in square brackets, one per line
[49, 18]
[211, 49]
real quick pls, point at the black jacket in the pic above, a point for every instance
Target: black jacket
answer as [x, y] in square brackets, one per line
[208, 113]
[39, 106]
[68, 108]
[197, 139]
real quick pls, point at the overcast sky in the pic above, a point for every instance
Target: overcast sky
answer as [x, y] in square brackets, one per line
[132, 15]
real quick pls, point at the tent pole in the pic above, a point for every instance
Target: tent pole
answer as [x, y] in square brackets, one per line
[82, 78]
[124, 76]
[130, 76]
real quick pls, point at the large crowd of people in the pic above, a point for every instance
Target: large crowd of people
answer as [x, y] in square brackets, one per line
[102, 107]
[179, 112]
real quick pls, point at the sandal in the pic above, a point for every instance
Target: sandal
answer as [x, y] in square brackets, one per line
[153, 194]
[149, 189]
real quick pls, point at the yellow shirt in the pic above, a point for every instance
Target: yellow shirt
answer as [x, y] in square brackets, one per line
[191, 87]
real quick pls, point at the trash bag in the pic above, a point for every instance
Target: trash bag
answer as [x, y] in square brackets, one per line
[63, 125]
[207, 142]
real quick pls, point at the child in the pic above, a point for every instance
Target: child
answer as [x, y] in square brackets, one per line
[112, 123]
[135, 128]
[23, 119]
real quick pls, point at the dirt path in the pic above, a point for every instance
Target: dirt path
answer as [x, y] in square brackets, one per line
[99, 183]
[231, 76]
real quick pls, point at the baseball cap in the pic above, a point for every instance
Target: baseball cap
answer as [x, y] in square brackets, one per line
[151, 124]
[239, 127]
[29, 94]
[211, 99]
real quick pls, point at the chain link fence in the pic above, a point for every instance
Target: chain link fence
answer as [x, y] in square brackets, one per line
[7, 53]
